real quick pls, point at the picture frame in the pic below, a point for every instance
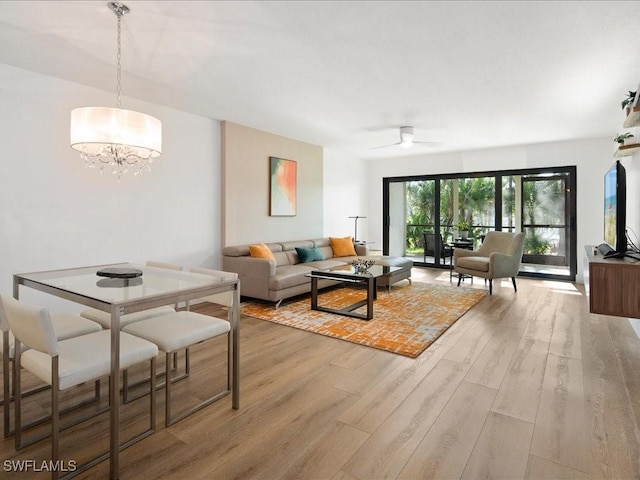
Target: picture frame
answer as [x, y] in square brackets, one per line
[283, 183]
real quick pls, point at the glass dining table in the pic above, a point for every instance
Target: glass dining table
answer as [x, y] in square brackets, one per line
[120, 296]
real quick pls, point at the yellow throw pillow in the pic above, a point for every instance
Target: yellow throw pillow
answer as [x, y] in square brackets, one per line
[342, 247]
[261, 251]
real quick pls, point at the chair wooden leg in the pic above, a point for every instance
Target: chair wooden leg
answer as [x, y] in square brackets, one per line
[513, 279]
[490, 286]
[459, 279]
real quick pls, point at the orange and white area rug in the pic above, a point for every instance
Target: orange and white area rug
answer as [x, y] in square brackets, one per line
[405, 321]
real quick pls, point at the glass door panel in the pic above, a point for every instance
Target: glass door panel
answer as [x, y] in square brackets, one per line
[397, 224]
[423, 216]
[447, 210]
[511, 201]
[421, 220]
[545, 219]
[476, 207]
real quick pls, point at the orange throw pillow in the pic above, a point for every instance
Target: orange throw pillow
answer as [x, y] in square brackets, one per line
[342, 247]
[261, 251]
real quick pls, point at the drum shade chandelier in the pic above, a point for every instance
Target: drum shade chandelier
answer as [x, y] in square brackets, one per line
[115, 137]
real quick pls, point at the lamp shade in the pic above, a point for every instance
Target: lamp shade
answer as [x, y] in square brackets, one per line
[95, 128]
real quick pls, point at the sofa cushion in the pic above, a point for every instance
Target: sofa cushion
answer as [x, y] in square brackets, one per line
[292, 245]
[309, 254]
[324, 245]
[324, 264]
[261, 251]
[342, 247]
[243, 250]
[473, 263]
[402, 262]
[289, 276]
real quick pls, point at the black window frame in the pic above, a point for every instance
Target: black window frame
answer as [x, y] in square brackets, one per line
[571, 207]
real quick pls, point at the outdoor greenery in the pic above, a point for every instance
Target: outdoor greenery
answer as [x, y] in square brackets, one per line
[542, 198]
[476, 207]
[543, 204]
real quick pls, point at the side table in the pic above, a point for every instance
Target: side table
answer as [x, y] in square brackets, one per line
[465, 243]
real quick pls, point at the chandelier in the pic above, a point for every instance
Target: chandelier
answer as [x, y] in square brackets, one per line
[116, 138]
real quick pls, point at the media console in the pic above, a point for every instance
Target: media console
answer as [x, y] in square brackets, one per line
[612, 284]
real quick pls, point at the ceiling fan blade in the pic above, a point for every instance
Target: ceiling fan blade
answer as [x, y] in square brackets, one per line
[385, 146]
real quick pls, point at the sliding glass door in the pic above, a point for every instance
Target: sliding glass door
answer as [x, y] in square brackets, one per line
[546, 220]
[427, 215]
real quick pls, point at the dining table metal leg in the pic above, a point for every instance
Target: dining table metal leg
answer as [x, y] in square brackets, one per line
[114, 398]
[235, 331]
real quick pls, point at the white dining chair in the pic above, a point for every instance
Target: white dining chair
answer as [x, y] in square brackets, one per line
[177, 331]
[67, 363]
[225, 298]
[104, 319]
[64, 326]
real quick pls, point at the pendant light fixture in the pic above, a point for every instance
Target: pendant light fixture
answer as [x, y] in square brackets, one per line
[113, 137]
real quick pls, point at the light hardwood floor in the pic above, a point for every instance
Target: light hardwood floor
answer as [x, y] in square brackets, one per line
[526, 385]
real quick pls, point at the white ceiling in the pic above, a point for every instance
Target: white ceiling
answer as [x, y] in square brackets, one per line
[346, 75]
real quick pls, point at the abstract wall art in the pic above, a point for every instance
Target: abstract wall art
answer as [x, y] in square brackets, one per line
[282, 195]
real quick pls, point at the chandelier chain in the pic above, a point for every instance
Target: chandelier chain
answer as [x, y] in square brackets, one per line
[118, 58]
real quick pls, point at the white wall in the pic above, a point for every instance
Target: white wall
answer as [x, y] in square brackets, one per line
[345, 195]
[55, 213]
[591, 157]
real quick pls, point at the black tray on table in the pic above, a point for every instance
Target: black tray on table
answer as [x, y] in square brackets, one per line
[119, 272]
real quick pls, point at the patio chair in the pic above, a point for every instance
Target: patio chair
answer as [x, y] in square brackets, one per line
[430, 247]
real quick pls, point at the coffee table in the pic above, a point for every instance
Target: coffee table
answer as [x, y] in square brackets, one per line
[348, 274]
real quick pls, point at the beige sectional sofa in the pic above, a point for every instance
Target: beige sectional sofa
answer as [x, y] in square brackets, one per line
[285, 277]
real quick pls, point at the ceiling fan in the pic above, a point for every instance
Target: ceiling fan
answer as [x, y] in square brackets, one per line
[406, 140]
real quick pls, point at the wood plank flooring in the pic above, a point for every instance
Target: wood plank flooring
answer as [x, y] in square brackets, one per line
[526, 385]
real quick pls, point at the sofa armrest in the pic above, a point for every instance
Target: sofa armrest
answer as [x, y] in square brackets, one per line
[463, 252]
[361, 249]
[254, 274]
[502, 265]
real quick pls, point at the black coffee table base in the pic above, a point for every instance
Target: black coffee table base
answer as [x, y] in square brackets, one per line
[371, 287]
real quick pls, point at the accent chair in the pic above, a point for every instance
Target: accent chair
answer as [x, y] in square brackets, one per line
[499, 256]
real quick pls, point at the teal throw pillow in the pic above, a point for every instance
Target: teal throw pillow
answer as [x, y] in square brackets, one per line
[309, 254]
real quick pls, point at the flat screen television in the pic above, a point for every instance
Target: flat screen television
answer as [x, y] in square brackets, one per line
[615, 209]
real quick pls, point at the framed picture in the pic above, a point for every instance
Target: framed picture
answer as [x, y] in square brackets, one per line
[283, 187]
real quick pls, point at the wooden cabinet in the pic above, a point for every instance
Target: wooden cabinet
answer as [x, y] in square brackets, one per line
[612, 285]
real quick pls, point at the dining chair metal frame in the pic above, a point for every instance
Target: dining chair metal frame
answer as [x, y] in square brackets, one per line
[56, 427]
[49, 282]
